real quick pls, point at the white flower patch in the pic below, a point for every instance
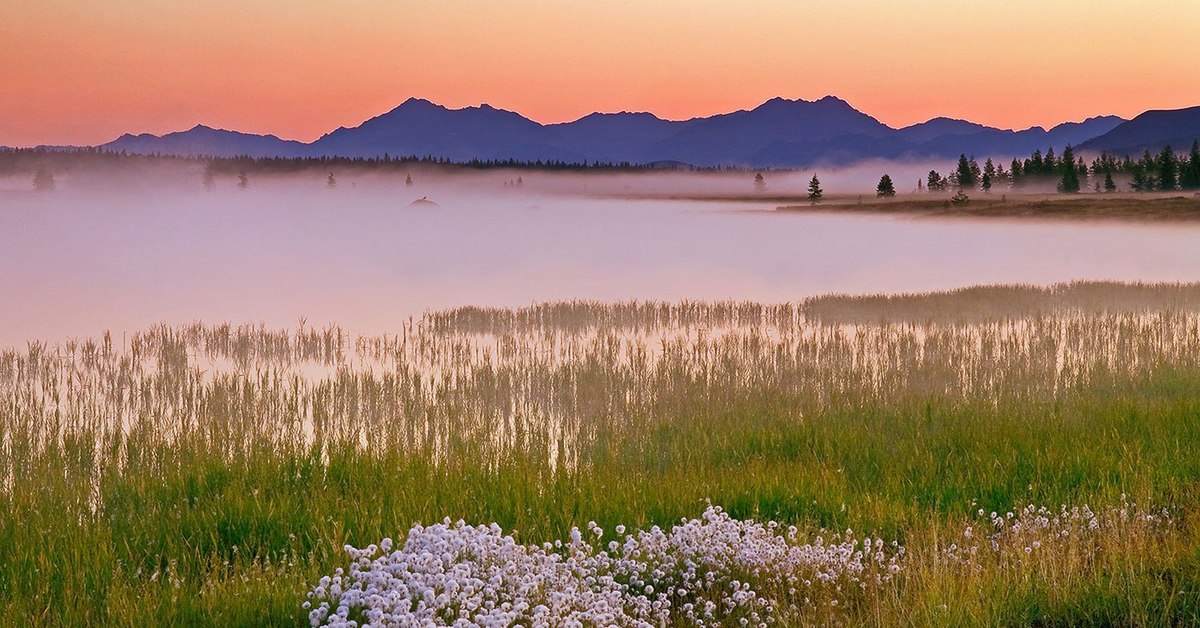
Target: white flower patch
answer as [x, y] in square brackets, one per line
[1018, 537]
[710, 571]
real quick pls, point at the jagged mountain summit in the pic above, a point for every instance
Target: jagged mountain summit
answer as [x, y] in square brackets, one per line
[420, 127]
[778, 133]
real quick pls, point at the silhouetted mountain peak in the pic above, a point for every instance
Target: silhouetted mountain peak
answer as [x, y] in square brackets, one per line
[620, 115]
[832, 100]
[597, 118]
[418, 103]
[779, 103]
[778, 132]
[1110, 122]
[1151, 130]
[203, 140]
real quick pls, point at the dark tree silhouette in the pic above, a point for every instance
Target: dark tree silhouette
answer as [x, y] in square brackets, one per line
[934, 181]
[1189, 176]
[814, 190]
[1168, 169]
[1069, 183]
[885, 189]
[331, 182]
[1109, 185]
[1016, 169]
[408, 180]
[760, 184]
[989, 175]
[965, 174]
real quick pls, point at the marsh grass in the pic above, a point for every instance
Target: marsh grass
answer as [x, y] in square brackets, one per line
[211, 474]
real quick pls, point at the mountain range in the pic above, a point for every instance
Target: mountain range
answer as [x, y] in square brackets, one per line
[777, 133]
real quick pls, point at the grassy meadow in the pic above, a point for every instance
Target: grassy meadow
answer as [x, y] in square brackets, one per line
[211, 474]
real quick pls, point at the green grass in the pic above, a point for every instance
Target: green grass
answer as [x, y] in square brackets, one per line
[209, 475]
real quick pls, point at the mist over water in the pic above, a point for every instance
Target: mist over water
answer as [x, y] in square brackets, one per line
[79, 261]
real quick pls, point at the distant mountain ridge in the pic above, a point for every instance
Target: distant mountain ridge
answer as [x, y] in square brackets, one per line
[207, 141]
[1151, 131]
[778, 133]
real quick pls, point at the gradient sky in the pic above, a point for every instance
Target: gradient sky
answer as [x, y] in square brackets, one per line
[84, 72]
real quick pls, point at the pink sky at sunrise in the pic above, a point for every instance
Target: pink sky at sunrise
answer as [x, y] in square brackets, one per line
[83, 73]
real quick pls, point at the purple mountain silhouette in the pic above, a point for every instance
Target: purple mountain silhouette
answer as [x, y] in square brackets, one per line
[777, 133]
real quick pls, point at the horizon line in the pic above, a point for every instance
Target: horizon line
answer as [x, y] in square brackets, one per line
[484, 104]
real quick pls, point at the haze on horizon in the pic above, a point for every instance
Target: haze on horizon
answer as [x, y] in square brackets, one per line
[85, 73]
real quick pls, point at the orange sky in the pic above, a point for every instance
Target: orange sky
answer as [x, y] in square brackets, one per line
[84, 72]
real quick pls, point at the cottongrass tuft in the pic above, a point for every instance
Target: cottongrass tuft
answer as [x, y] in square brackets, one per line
[710, 571]
[1017, 539]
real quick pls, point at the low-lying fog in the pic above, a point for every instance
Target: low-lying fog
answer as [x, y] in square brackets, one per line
[124, 256]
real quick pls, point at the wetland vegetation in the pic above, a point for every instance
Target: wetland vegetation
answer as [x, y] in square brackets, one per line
[1032, 450]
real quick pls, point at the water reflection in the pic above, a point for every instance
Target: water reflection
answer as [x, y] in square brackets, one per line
[74, 264]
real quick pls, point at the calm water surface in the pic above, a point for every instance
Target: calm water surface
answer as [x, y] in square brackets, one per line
[76, 265]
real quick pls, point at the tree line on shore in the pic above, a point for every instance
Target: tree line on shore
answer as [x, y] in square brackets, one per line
[1164, 171]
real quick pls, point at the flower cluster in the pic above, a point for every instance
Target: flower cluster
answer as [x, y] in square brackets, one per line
[1019, 537]
[710, 571]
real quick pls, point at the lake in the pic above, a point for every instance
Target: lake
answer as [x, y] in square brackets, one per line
[74, 264]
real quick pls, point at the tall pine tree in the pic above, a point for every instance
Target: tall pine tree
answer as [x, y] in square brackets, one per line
[1168, 169]
[1189, 177]
[814, 190]
[965, 175]
[1069, 183]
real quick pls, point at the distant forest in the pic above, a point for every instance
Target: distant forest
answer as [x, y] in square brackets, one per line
[1164, 171]
[17, 160]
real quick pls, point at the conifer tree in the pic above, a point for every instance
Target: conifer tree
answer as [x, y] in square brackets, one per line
[760, 184]
[1033, 165]
[885, 189]
[1148, 167]
[814, 190]
[965, 175]
[1069, 183]
[1168, 169]
[935, 182]
[1189, 177]
[989, 175]
[331, 182]
[1109, 185]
